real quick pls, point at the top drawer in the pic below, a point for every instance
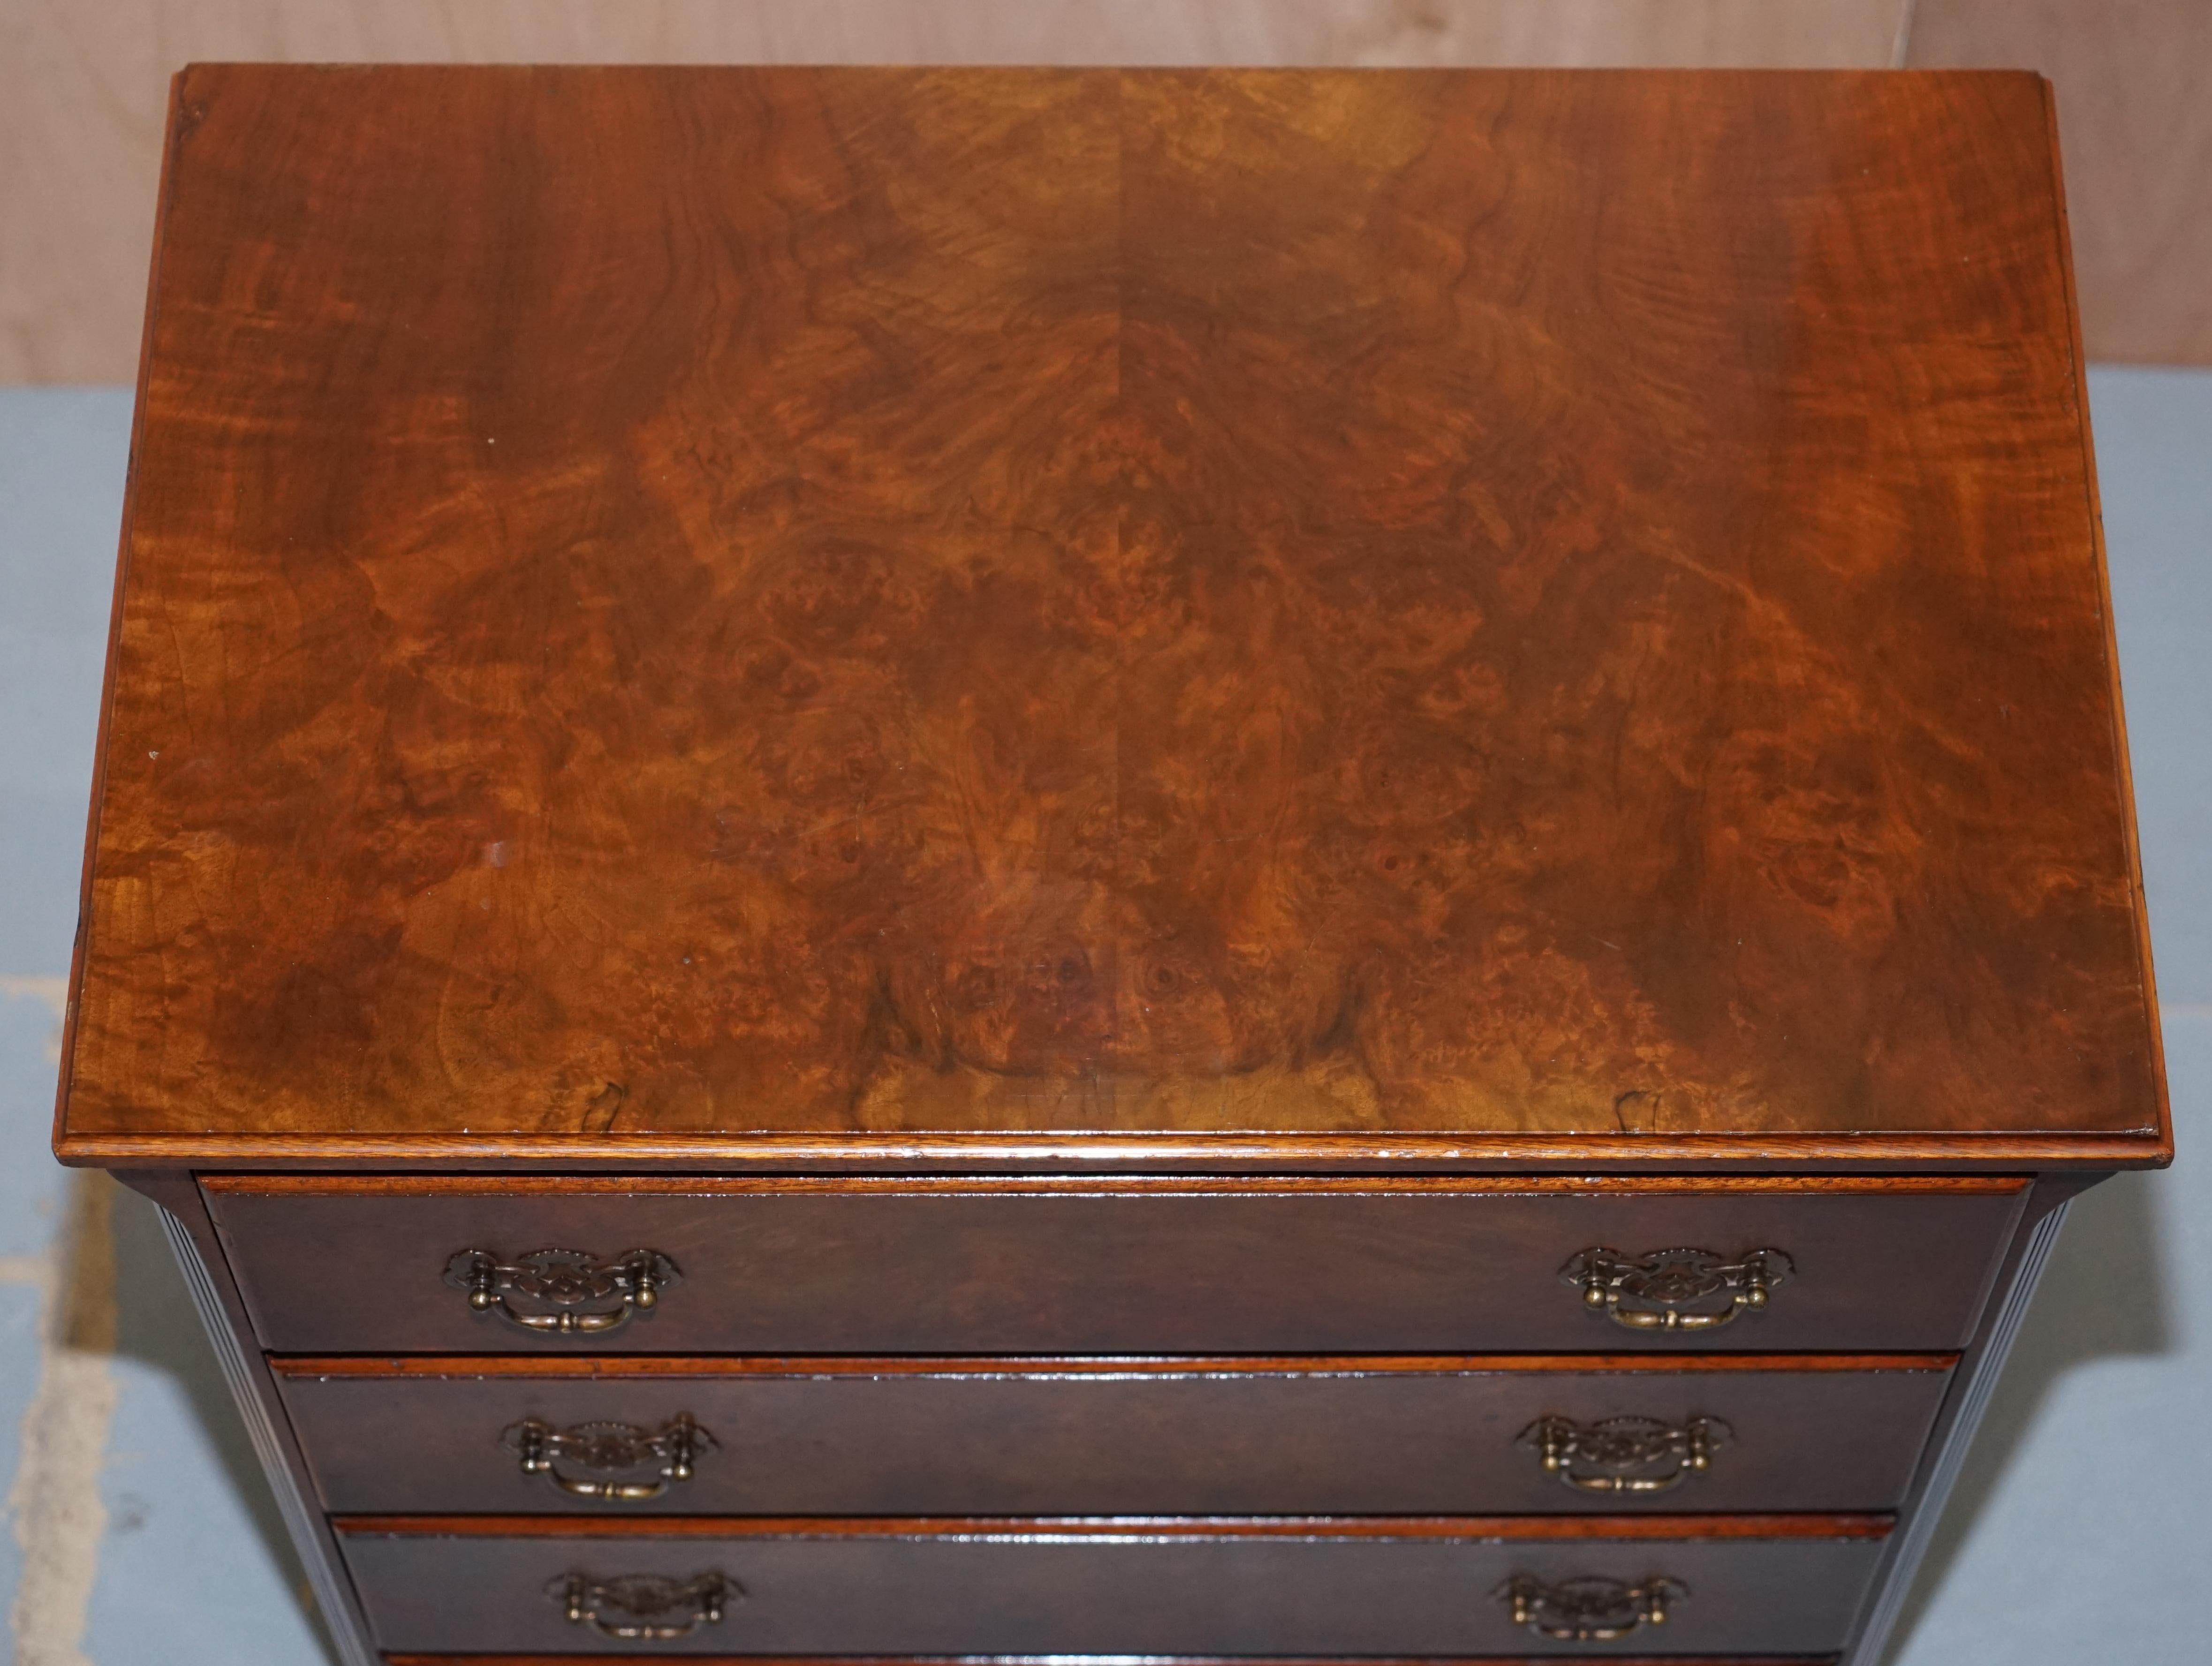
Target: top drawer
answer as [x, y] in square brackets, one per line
[1138, 1265]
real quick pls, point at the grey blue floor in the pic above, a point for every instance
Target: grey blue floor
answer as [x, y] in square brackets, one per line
[137, 1528]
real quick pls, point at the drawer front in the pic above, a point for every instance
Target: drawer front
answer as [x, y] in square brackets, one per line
[1035, 1589]
[1015, 1437]
[1170, 1660]
[1142, 1267]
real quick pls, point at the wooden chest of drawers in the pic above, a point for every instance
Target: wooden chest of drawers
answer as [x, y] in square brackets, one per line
[900, 863]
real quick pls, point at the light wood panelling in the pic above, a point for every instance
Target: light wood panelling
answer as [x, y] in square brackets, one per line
[2135, 121]
[84, 84]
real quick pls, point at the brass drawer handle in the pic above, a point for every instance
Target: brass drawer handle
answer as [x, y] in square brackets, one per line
[1588, 1610]
[644, 1608]
[1624, 1453]
[565, 1292]
[613, 1450]
[1676, 1289]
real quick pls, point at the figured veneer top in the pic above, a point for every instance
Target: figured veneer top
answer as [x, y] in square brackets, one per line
[729, 614]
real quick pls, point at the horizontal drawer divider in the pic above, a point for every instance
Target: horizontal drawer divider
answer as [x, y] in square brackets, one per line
[1154, 1528]
[1087, 1365]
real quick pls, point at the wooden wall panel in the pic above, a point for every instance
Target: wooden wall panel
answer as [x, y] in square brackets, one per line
[84, 84]
[2135, 122]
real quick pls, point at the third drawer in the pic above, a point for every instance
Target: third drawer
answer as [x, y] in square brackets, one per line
[1470, 1588]
[1073, 1437]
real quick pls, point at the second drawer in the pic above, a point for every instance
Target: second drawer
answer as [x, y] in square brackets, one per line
[1011, 1436]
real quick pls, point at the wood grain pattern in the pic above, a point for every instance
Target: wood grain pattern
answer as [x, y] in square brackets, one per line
[1219, 603]
[517, 1155]
[82, 84]
[82, 97]
[2132, 79]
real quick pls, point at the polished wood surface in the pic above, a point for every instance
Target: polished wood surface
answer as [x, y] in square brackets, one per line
[82, 84]
[1150, 1588]
[858, 603]
[2133, 86]
[1154, 1660]
[1240, 1153]
[1337, 1185]
[1317, 1529]
[82, 87]
[899, 1437]
[709, 1368]
[867, 1266]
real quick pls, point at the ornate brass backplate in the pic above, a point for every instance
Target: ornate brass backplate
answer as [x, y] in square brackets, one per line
[1618, 1455]
[1589, 1609]
[616, 1462]
[644, 1608]
[1676, 1289]
[564, 1292]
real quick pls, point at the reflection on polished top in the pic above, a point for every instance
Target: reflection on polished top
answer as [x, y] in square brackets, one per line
[1508, 614]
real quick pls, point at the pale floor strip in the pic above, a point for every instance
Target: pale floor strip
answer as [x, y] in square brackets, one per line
[56, 1504]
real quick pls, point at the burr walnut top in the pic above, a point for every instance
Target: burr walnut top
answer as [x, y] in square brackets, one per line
[930, 616]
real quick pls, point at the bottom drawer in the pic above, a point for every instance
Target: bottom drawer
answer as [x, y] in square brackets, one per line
[1496, 1588]
[1157, 1660]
